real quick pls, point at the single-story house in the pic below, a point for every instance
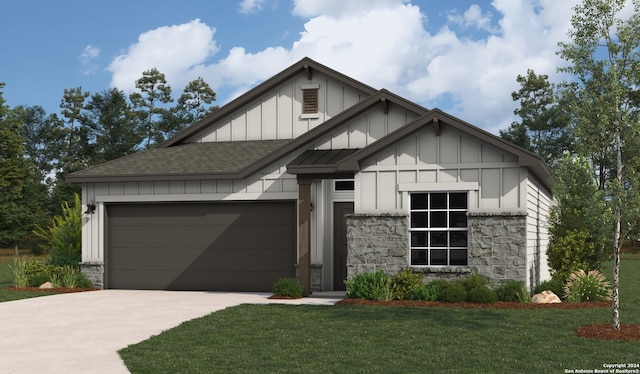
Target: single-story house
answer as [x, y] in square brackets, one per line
[316, 175]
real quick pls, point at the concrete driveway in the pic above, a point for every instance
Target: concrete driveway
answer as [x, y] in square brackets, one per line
[82, 332]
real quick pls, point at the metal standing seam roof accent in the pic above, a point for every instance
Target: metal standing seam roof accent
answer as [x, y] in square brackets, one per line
[184, 161]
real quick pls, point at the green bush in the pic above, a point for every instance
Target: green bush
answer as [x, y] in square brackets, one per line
[404, 283]
[554, 285]
[473, 280]
[370, 286]
[287, 287]
[69, 277]
[38, 279]
[27, 271]
[63, 237]
[423, 293]
[435, 287]
[512, 291]
[481, 295]
[591, 286]
[452, 293]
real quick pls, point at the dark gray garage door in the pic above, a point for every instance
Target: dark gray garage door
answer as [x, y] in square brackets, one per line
[213, 246]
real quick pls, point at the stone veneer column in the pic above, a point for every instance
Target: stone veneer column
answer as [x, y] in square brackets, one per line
[95, 272]
[376, 242]
[498, 245]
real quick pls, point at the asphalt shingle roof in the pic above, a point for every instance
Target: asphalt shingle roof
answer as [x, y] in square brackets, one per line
[193, 159]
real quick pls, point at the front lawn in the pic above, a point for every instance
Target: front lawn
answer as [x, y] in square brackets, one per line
[347, 338]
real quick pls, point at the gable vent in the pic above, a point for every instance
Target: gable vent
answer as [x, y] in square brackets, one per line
[310, 101]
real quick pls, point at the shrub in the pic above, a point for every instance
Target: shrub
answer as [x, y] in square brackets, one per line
[473, 280]
[287, 287]
[591, 286]
[512, 291]
[404, 283]
[435, 287]
[481, 295]
[28, 271]
[62, 238]
[370, 286]
[452, 293]
[554, 285]
[423, 293]
[69, 277]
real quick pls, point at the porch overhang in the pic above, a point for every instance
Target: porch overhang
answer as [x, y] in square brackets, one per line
[310, 165]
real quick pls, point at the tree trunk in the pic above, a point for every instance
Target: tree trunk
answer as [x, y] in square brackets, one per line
[616, 239]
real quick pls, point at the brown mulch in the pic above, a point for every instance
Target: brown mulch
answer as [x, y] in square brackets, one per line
[52, 290]
[603, 331]
[498, 305]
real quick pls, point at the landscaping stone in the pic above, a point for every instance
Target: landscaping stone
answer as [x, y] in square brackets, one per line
[545, 297]
[46, 286]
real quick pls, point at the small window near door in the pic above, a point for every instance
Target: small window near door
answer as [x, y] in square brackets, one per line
[343, 185]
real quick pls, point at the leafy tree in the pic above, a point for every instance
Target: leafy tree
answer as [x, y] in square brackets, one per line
[195, 100]
[544, 127]
[154, 91]
[580, 221]
[113, 129]
[16, 173]
[604, 57]
[36, 132]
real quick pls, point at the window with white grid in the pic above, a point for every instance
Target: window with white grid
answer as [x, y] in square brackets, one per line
[438, 228]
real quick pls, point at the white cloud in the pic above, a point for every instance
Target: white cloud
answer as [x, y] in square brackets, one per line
[250, 6]
[87, 57]
[383, 43]
[175, 51]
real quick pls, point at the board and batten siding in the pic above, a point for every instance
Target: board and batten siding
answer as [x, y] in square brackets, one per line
[278, 114]
[538, 205]
[453, 158]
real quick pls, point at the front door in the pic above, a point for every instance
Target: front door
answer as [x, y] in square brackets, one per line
[340, 210]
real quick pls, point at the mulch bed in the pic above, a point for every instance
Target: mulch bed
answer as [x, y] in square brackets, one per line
[603, 331]
[52, 290]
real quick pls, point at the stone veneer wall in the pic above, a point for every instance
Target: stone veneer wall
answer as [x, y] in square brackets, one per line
[498, 245]
[376, 242]
[95, 273]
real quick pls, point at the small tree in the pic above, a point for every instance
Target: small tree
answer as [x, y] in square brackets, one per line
[580, 221]
[63, 237]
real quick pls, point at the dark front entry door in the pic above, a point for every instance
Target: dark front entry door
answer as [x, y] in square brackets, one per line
[340, 210]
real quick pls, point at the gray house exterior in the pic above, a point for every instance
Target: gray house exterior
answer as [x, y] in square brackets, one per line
[316, 175]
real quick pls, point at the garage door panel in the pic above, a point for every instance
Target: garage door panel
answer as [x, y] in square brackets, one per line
[194, 280]
[224, 246]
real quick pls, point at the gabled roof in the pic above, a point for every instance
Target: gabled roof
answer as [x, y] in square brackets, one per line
[305, 65]
[348, 161]
[221, 160]
[243, 157]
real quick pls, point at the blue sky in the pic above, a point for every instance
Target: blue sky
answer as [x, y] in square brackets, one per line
[462, 56]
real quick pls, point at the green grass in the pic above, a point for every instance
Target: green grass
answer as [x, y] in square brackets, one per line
[6, 280]
[370, 339]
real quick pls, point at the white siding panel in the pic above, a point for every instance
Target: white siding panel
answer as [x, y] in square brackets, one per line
[407, 176]
[254, 122]
[387, 190]
[428, 147]
[285, 112]
[490, 188]
[428, 176]
[368, 194]
[469, 175]
[176, 187]
[510, 188]
[449, 146]
[207, 187]
[448, 176]
[469, 151]
[269, 117]
[408, 152]
[192, 187]
[358, 135]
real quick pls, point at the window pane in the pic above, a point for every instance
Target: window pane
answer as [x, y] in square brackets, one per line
[438, 219]
[438, 257]
[419, 219]
[438, 238]
[438, 201]
[419, 239]
[344, 185]
[458, 219]
[458, 200]
[458, 257]
[458, 238]
[419, 257]
[419, 201]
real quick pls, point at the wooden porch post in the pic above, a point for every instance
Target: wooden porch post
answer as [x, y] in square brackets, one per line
[304, 235]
